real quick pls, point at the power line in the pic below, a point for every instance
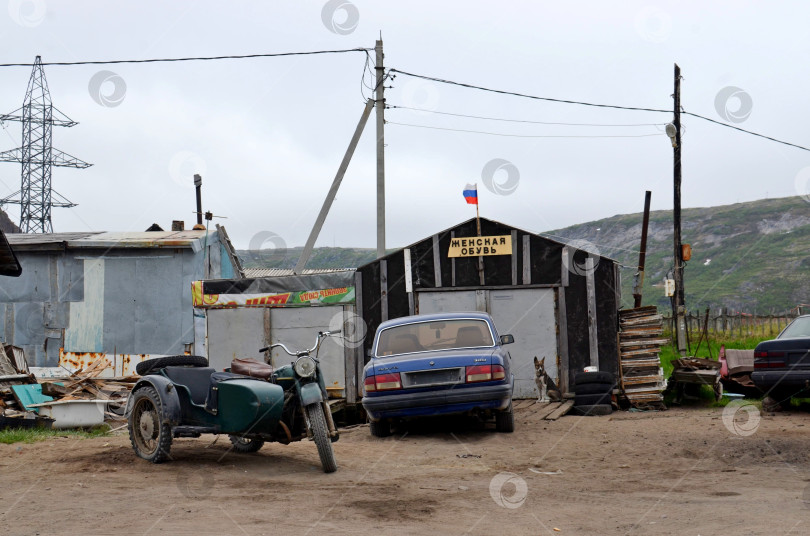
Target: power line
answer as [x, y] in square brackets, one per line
[549, 99]
[516, 135]
[746, 131]
[526, 120]
[582, 103]
[200, 58]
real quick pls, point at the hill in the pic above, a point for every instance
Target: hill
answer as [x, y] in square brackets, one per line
[752, 257]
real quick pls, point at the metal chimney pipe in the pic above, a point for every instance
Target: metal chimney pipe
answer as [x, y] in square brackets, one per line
[198, 185]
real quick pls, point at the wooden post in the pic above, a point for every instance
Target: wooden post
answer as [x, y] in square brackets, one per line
[642, 254]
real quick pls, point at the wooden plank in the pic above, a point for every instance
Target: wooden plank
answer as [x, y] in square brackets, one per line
[564, 408]
[564, 274]
[514, 257]
[593, 339]
[562, 328]
[453, 263]
[384, 290]
[645, 342]
[546, 409]
[437, 262]
[527, 261]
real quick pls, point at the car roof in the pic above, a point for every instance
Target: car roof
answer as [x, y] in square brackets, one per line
[434, 317]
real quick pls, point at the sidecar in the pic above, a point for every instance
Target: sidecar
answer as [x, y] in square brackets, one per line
[180, 396]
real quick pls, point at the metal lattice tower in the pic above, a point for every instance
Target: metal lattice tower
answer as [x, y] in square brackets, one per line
[37, 155]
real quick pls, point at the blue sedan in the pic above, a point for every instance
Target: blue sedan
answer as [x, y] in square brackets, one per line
[782, 365]
[438, 364]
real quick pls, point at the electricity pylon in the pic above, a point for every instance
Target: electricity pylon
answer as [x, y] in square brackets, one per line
[37, 155]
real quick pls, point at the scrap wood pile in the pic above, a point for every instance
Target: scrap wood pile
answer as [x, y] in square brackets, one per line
[84, 384]
[13, 372]
[640, 340]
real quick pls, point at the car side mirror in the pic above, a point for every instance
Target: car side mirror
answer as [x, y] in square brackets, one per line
[507, 339]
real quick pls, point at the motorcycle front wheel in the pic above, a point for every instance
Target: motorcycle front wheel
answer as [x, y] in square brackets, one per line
[317, 422]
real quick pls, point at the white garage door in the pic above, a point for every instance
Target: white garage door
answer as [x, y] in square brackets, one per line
[528, 314]
[239, 332]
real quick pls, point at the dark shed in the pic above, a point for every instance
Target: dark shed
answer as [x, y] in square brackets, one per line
[560, 301]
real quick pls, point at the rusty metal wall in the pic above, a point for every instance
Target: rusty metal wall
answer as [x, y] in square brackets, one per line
[113, 301]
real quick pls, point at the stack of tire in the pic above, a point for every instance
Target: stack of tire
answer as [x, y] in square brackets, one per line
[593, 392]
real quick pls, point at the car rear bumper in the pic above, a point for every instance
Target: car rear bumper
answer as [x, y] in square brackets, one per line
[795, 380]
[443, 402]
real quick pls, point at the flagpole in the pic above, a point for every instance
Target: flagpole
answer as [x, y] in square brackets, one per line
[477, 216]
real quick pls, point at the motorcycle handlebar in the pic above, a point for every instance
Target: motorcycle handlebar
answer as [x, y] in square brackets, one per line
[317, 342]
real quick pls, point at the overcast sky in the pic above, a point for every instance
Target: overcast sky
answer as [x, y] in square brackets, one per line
[268, 135]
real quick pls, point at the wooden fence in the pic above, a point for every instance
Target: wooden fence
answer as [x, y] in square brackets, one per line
[732, 325]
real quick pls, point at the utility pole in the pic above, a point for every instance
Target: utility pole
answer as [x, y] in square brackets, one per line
[638, 285]
[380, 103]
[678, 306]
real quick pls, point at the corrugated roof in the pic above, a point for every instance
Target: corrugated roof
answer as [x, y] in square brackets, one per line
[158, 239]
[253, 273]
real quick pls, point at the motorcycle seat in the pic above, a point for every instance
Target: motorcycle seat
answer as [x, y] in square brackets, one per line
[252, 367]
[195, 379]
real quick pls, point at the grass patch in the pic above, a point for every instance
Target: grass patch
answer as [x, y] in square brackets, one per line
[32, 435]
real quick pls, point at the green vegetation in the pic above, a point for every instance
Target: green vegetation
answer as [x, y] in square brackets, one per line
[749, 257]
[32, 435]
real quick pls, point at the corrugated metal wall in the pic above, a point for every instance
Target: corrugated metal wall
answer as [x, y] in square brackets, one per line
[125, 301]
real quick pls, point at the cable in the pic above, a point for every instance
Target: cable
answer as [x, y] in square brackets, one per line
[201, 58]
[564, 101]
[502, 92]
[746, 131]
[525, 120]
[516, 135]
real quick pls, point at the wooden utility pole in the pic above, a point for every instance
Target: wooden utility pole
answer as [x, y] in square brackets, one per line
[638, 285]
[678, 307]
[380, 103]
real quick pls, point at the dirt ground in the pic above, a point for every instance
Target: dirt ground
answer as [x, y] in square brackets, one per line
[683, 471]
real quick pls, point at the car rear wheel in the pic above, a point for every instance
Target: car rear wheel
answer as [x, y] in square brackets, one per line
[505, 420]
[380, 428]
[150, 436]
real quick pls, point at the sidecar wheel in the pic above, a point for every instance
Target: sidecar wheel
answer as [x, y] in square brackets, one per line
[245, 445]
[321, 437]
[150, 436]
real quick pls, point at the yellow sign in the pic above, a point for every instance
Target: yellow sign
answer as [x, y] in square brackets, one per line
[477, 246]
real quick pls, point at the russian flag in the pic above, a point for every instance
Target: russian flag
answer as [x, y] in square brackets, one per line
[471, 194]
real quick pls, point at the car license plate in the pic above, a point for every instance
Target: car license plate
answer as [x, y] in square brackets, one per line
[432, 377]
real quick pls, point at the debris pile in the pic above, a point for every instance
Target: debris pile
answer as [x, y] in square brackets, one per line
[84, 384]
[14, 374]
[640, 341]
[694, 371]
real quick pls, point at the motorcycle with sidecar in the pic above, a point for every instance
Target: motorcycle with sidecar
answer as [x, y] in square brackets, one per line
[180, 396]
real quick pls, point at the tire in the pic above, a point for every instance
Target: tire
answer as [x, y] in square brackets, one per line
[594, 377]
[145, 367]
[596, 409]
[380, 428]
[317, 423]
[150, 436]
[776, 403]
[505, 420]
[594, 388]
[591, 400]
[245, 445]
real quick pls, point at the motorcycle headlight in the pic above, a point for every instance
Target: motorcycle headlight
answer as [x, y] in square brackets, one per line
[304, 367]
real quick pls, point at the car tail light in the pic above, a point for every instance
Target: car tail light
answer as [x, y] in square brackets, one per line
[498, 372]
[387, 382]
[766, 359]
[479, 373]
[370, 384]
